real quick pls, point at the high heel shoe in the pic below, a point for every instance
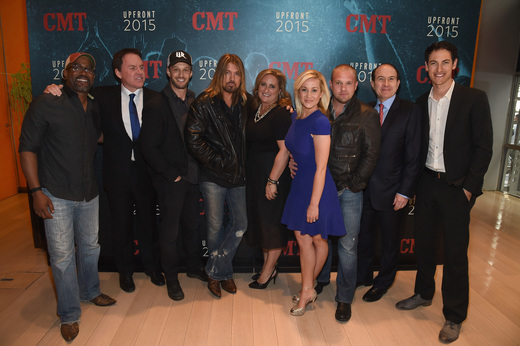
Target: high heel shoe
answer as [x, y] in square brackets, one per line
[256, 285]
[296, 297]
[256, 276]
[296, 311]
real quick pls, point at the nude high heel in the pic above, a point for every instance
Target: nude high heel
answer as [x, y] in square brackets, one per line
[296, 311]
[296, 297]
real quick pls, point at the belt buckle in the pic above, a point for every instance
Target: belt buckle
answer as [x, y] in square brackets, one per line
[438, 175]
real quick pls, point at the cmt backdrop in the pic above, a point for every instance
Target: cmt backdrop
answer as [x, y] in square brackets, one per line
[292, 35]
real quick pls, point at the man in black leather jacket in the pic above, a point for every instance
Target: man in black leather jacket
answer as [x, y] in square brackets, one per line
[215, 132]
[354, 150]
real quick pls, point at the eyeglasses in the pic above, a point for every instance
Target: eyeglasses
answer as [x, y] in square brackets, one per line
[77, 68]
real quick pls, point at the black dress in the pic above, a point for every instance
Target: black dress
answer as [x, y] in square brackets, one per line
[263, 216]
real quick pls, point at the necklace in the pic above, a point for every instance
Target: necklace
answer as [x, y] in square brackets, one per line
[259, 116]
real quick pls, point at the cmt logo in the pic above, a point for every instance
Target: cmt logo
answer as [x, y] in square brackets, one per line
[212, 21]
[360, 22]
[64, 22]
[291, 72]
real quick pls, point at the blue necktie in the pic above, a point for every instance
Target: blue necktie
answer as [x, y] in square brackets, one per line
[134, 119]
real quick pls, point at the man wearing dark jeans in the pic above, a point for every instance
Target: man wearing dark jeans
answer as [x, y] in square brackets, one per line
[456, 149]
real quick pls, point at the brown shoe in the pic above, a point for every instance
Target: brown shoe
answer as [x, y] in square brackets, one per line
[103, 300]
[214, 287]
[69, 331]
[228, 285]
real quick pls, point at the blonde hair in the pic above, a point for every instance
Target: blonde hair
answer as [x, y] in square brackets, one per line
[216, 86]
[323, 104]
[284, 98]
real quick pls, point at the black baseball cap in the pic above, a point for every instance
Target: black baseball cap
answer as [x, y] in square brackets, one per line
[179, 56]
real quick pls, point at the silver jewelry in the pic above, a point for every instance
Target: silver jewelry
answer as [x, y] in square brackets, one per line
[259, 116]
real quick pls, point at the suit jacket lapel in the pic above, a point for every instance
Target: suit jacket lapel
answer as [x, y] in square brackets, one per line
[393, 112]
[118, 112]
[455, 103]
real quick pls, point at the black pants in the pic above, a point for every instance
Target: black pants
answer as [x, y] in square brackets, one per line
[389, 222]
[440, 204]
[139, 192]
[179, 206]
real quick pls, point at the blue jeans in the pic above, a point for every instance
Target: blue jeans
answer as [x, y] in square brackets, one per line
[73, 223]
[223, 241]
[351, 207]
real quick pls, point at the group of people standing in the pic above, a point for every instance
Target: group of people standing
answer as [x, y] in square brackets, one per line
[354, 166]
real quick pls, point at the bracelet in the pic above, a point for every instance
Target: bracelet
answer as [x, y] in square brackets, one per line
[35, 189]
[271, 181]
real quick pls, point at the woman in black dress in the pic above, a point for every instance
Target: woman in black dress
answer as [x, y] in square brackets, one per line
[266, 188]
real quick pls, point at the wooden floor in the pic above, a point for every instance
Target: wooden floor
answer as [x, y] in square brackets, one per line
[260, 317]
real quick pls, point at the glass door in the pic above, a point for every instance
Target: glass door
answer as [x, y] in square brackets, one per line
[511, 171]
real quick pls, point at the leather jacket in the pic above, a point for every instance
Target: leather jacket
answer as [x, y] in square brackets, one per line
[209, 138]
[355, 144]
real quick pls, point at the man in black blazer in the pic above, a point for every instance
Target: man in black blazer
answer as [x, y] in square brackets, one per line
[457, 139]
[392, 183]
[125, 174]
[175, 175]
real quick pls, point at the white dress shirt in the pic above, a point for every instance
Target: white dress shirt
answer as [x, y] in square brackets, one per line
[438, 114]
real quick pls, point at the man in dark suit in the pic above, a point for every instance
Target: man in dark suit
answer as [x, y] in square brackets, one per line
[175, 175]
[392, 183]
[456, 147]
[125, 174]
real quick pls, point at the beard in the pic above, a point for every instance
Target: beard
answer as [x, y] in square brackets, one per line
[230, 87]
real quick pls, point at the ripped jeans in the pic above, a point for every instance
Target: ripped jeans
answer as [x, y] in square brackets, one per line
[223, 241]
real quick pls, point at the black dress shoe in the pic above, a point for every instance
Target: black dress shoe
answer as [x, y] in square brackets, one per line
[374, 294]
[198, 274]
[320, 285]
[343, 312]
[157, 278]
[126, 283]
[214, 287]
[411, 303]
[174, 289]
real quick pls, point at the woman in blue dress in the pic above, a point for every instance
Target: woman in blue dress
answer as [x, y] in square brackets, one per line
[312, 208]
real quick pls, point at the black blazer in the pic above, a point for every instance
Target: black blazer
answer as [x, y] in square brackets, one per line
[468, 137]
[162, 144]
[117, 145]
[399, 165]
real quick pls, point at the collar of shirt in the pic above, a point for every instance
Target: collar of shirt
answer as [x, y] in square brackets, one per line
[386, 106]
[331, 108]
[447, 95]
[138, 99]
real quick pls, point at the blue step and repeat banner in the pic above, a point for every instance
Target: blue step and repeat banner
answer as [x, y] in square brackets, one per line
[292, 36]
